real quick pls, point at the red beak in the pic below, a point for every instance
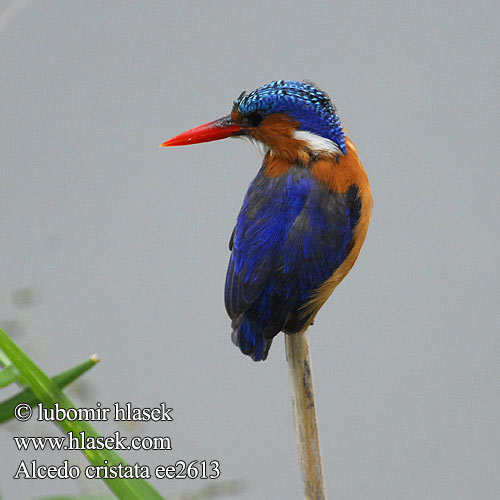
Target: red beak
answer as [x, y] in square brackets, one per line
[212, 131]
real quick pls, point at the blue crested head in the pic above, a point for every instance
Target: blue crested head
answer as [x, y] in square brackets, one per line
[302, 101]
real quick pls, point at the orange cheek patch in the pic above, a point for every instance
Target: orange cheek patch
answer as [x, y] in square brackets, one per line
[276, 131]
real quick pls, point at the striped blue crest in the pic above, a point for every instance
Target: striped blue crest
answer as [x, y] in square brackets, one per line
[302, 101]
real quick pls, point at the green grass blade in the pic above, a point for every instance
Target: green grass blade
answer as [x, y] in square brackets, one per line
[26, 396]
[49, 393]
[8, 375]
[4, 361]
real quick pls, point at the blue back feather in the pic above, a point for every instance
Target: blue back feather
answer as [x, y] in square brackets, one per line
[290, 236]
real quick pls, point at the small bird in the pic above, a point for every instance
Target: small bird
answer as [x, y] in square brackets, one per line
[304, 217]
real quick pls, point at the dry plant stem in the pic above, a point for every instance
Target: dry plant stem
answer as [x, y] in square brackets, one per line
[304, 415]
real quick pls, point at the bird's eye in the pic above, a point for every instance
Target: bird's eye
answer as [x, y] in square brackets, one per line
[254, 118]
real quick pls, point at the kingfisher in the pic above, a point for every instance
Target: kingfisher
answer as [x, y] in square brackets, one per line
[304, 217]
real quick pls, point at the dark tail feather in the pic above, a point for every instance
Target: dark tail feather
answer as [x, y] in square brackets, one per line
[251, 343]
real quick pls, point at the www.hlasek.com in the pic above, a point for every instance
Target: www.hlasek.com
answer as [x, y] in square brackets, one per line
[81, 441]
[194, 469]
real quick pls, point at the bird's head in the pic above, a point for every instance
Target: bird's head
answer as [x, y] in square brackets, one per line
[290, 119]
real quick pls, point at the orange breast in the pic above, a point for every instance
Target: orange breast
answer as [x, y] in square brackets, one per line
[339, 174]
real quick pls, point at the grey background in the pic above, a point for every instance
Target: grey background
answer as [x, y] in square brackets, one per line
[123, 246]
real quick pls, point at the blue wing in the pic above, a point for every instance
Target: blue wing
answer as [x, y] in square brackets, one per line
[291, 234]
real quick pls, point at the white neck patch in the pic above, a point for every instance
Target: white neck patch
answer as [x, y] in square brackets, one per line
[317, 143]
